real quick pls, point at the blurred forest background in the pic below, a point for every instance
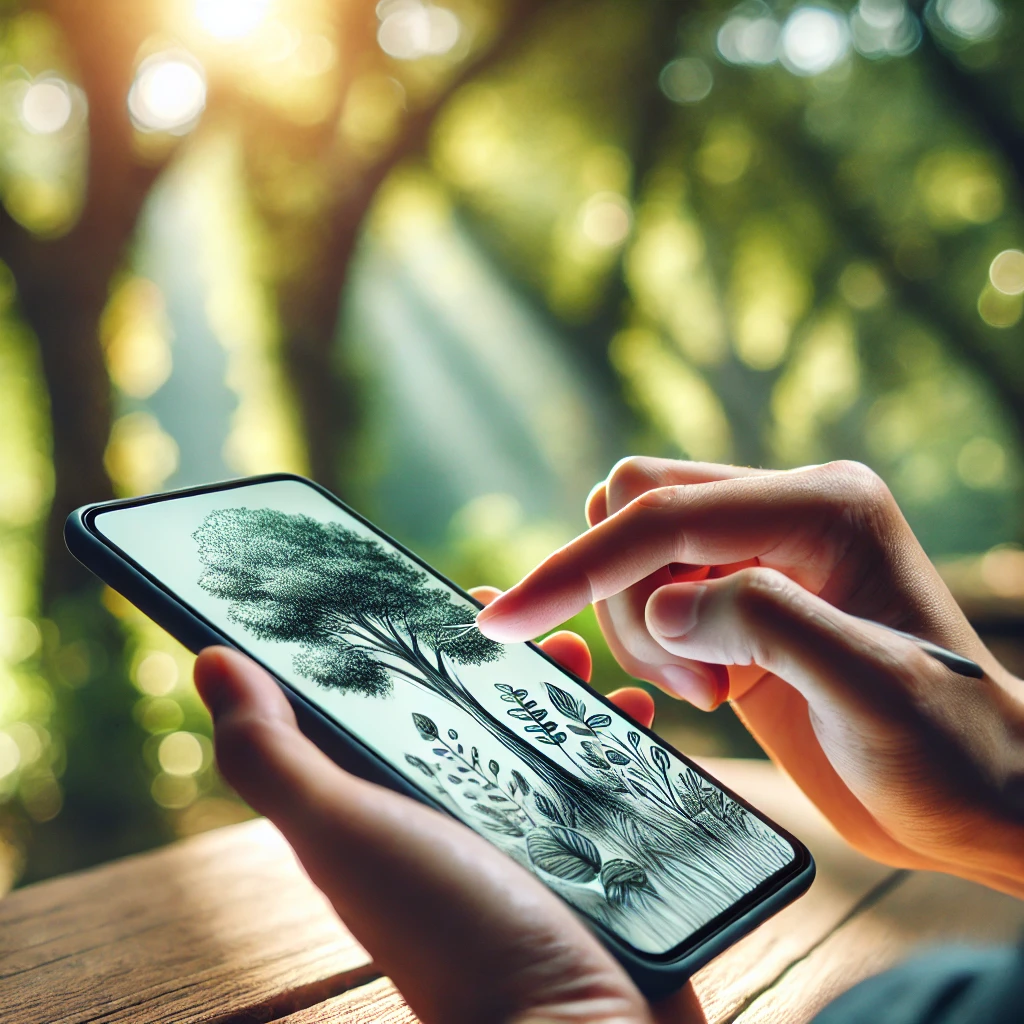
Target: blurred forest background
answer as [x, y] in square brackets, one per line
[453, 260]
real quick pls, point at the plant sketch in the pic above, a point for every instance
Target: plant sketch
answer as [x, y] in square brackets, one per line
[621, 828]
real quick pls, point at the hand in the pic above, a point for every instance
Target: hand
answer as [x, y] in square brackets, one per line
[717, 582]
[466, 934]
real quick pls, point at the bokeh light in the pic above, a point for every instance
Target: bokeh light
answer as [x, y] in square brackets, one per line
[156, 674]
[10, 755]
[750, 35]
[140, 455]
[884, 28]
[410, 29]
[1007, 272]
[998, 309]
[168, 94]
[180, 753]
[687, 80]
[813, 40]
[973, 20]
[231, 19]
[46, 106]
[606, 219]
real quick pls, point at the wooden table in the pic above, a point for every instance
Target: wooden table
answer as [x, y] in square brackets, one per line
[225, 927]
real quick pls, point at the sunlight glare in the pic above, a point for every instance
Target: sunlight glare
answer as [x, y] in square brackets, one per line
[814, 39]
[168, 94]
[231, 19]
[46, 106]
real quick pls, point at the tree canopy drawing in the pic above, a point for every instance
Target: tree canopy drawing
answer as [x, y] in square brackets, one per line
[349, 601]
[624, 830]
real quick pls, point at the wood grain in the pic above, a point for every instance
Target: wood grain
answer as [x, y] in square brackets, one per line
[377, 1002]
[923, 911]
[211, 928]
[225, 928]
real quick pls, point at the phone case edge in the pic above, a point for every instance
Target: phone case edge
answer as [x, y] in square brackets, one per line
[654, 978]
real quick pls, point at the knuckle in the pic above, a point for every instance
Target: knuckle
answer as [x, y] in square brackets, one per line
[631, 477]
[756, 591]
[854, 484]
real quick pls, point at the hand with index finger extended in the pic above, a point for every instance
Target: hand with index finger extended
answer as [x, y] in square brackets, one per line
[769, 576]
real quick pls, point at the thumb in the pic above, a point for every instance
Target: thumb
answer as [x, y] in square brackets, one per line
[760, 617]
[464, 932]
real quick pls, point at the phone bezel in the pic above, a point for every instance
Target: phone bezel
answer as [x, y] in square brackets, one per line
[82, 536]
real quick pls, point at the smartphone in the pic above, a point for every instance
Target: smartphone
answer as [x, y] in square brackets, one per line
[380, 656]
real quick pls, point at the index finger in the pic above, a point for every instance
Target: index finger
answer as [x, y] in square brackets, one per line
[714, 523]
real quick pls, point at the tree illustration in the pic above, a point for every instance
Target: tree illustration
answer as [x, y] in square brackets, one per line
[364, 616]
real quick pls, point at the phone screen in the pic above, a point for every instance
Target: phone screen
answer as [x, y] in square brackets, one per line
[625, 830]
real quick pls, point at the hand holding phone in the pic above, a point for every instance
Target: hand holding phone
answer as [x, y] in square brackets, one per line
[381, 658]
[464, 932]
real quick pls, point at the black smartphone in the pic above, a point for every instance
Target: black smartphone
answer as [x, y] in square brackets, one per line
[382, 660]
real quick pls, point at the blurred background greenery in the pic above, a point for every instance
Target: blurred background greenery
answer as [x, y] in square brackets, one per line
[453, 260]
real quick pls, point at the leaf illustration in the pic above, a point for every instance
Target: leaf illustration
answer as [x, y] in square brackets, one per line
[503, 687]
[452, 734]
[616, 758]
[548, 808]
[418, 762]
[660, 758]
[564, 853]
[494, 767]
[592, 754]
[580, 730]
[623, 881]
[565, 702]
[524, 786]
[506, 828]
[455, 779]
[523, 716]
[425, 727]
[634, 739]
[599, 721]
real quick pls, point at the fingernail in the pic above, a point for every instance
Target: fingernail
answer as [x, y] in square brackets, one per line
[690, 685]
[673, 610]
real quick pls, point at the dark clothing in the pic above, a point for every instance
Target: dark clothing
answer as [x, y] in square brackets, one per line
[949, 986]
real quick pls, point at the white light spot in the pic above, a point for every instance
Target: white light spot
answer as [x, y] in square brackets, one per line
[231, 19]
[168, 94]
[180, 753]
[687, 80]
[1007, 272]
[410, 29]
[606, 219]
[10, 755]
[884, 28]
[46, 106]
[970, 19]
[813, 40]
[750, 35]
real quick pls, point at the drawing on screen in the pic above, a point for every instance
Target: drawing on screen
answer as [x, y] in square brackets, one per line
[611, 820]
